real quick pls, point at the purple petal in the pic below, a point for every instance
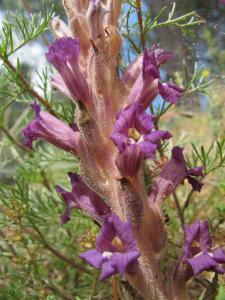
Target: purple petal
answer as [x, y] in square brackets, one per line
[112, 227]
[204, 262]
[88, 200]
[65, 217]
[173, 174]
[196, 184]
[219, 256]
[70, 202]
[116, 249]
[170, 92]
[129, 161]
[204, 236]
[150, 68]
[145, 87]
[63, 50]
[133, 135]
[50, 129]
[92, 257]
[156, 136]
[125, 262]
[107, 270]
[134, 69]
[197, 171]
[120, 140]
[63, 55]
[162, 56]
[177, 153]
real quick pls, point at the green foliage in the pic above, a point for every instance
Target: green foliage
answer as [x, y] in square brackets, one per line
[211, 159]
[23, 29]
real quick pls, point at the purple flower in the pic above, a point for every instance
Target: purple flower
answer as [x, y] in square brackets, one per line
[197, 249]
[116, 249]
[135, 67]
[147, 85]
[135, 138]
[83, 198]
[145, 88]
[50, 129]
[64, 55]
[172, 175]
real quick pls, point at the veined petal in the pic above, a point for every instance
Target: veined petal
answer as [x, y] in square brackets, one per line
[170, 92]
[92, 257]
[50, 129]
[63, 54]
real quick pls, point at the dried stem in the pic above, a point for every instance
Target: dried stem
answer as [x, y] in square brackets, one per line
[12, 139]
[140, 22]
[11, 248]
[179, 210]
[54, 251]
[115, 288]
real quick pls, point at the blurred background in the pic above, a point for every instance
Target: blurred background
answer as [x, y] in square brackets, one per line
[38, 256]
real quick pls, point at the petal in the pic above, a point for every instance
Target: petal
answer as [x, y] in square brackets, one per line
[148, 149]
[173, 174]
[70, 202]
[162, 56]
[63, 50]
[50, 129]
[107, 270]
[204, 262]
[65, 217]
[145, 87]
[105, 237]
[170, 92]
[124, 232]
[196, 184]
[204, 236]
[63, 54]
[197, 171]
[150, 68]
[219, 256]
[90, 202]
[120, 140]
[129, 161]
[125, 262]
[156, 136]
[92, 257]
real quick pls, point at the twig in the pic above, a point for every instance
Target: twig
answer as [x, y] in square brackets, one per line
[11, 248]
[24, 148]
[140, 22]
[57, 291]
[53, 250]
[13, 140]
[187, 202]
[115, 288]
[27, 86]
[179, 210]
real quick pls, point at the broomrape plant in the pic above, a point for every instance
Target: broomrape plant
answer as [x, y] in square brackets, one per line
[113, 135]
